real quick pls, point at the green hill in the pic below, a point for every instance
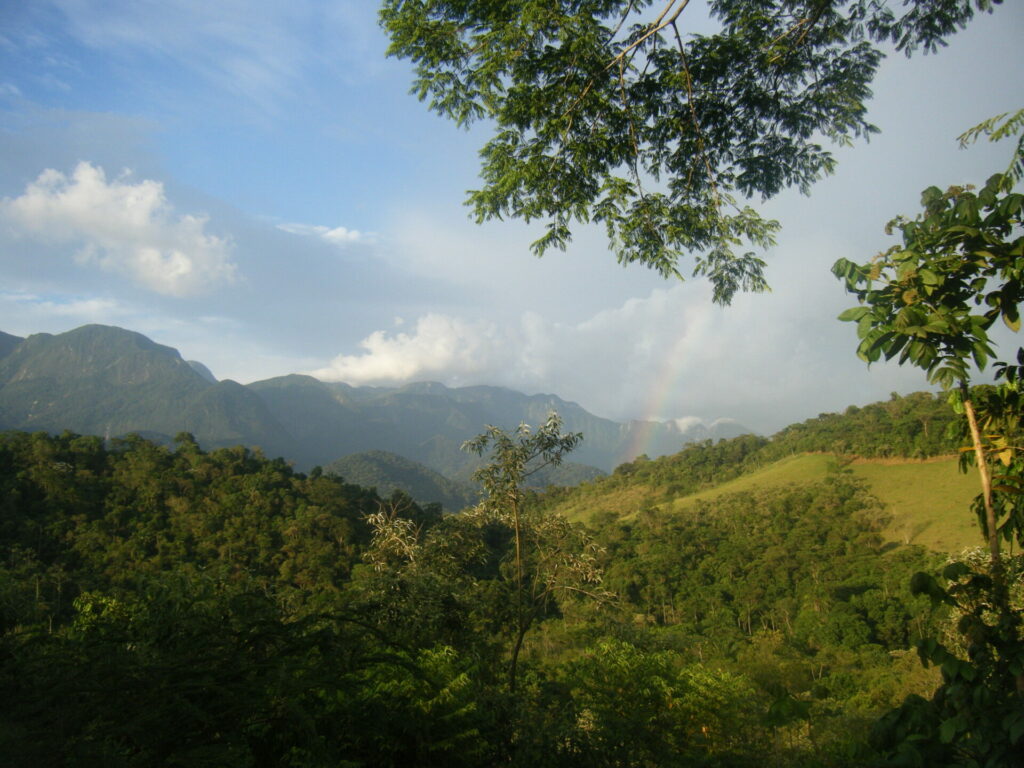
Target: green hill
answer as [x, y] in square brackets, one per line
[900, 450]
[929, 502]
[925, 502]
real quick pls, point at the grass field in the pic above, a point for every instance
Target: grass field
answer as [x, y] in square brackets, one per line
[793, 470]
[928, 501]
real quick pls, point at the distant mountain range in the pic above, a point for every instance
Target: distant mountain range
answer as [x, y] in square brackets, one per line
[109, 381]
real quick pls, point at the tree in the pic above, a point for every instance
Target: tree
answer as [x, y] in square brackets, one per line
[550, 555]
[933, 299]
[932, 302]
[614, 112]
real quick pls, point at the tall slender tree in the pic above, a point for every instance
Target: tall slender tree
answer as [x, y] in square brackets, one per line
[550, 555]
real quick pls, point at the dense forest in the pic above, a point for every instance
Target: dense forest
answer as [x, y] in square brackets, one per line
[171, 606]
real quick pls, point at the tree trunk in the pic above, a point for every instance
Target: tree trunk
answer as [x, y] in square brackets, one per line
[520, 623]
[986, 479]
[514, 661]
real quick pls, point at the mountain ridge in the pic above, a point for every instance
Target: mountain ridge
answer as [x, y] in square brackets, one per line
[111, 381]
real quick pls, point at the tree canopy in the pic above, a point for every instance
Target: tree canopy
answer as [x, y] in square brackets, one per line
[618, 112]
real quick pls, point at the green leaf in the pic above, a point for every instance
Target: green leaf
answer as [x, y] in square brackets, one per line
[950, 728]
[853, 314]
[896, 346]
[1015, 727]
[981, 353]
[864, 325]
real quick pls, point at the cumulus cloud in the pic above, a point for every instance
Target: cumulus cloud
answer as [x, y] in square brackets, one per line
[443, 347]
[686, 423]
[607, 361]
[670, 356]
[335, 235]
[121, 226]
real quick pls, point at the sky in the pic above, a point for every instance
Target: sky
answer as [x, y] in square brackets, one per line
[251, 183]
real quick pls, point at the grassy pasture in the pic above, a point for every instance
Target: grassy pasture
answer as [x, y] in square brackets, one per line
[927, 502]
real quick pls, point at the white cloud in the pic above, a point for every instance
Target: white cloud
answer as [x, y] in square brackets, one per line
[80, 309]
[686, 423]
[441, 347]
[121, 226]
[335, 235]
[670, 356]
[607, 361]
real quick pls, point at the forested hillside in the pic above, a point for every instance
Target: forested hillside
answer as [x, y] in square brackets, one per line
[387, 472]
[177, 606]
[898, 432]
[913, 426]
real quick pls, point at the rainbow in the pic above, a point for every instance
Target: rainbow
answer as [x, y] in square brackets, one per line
[666, 382]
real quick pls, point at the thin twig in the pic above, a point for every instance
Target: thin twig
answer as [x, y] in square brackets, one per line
[693, 117]
[656, 26]
[622, 21]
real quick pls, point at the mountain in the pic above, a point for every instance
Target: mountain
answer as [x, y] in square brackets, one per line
[202, 370]
[110, 381]
[8, 343]
[388, 472]
[428, 422]
[322, 420]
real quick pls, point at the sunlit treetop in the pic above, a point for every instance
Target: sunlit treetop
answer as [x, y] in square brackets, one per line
[619, 112]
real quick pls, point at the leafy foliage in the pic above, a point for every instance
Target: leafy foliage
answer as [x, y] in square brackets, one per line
[608, 111]
[976, 716]
[958, 272]
[932, 300]
[548, 556]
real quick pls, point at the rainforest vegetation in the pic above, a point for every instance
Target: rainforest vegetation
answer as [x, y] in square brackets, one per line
[180, 607]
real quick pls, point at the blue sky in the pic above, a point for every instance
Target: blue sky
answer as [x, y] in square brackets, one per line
[251, 183]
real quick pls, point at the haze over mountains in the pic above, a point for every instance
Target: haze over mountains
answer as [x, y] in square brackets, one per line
[110, 381]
